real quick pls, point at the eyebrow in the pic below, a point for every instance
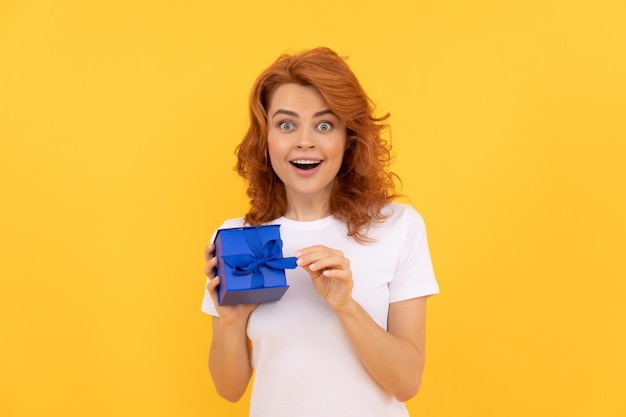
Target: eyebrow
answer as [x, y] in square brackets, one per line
[294, 114]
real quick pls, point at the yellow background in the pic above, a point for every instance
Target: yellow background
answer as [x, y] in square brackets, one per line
[118, 121]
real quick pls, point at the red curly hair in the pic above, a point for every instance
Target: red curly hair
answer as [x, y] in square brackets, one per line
[364, 185]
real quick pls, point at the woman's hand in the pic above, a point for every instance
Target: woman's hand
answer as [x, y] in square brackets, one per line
[228, 314]
[330, 273]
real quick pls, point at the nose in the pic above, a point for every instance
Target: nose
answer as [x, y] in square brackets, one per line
[305, 141]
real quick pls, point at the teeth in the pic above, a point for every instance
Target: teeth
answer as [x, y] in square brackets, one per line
[305, 162]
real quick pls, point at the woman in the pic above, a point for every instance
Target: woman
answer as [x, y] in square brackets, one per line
[347, 338]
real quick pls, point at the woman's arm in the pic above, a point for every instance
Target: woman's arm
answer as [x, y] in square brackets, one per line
[393, 357]
[229, 357]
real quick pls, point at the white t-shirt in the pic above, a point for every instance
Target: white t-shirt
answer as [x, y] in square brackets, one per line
[303, 361]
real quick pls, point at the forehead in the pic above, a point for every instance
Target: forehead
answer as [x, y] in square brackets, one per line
[296, 97]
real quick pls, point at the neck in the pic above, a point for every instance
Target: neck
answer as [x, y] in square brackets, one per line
[307, 210]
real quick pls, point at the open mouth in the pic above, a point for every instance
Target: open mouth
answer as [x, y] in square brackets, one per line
[305, 164]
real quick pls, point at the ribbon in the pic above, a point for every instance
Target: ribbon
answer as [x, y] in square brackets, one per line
[269, 255]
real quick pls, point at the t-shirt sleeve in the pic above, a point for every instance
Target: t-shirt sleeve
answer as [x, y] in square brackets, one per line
[414, 275]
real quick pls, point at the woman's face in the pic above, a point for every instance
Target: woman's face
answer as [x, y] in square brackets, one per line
[306, 141]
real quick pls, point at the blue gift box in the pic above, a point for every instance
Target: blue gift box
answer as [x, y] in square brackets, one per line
[250, 265]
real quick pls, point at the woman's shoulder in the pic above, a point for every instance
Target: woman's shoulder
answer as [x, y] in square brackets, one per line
[229, 224]
[400, 220]
[401, 212]
[234, 222]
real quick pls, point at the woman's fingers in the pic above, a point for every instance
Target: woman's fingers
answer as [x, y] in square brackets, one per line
[235, 312]
[330, 273]
[317, 258]
[211, 286]
[209, 271]
[337, 273]
[209, 267]
[208, 251]
[211, 261]
[330, 262]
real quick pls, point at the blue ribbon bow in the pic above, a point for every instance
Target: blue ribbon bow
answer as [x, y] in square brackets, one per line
[269, 255]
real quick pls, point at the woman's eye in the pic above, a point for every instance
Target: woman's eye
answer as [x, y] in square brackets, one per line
[286, 125]
[325, 126]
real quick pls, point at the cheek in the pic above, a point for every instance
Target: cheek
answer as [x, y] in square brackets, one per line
[276, 151]
[271, 144]
[339, 148]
